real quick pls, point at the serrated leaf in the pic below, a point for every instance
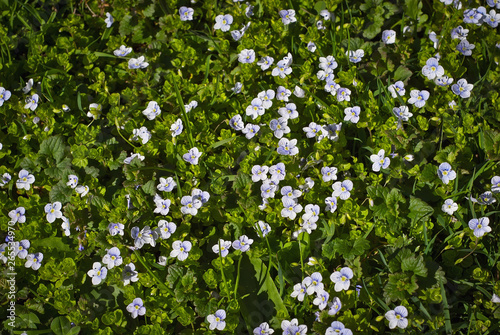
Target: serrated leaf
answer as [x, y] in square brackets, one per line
[54, 147]
[60, 192]
[414, 264]
[149, 187]
[419, 210]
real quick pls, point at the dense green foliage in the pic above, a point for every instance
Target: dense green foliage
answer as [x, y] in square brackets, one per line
[391, 231]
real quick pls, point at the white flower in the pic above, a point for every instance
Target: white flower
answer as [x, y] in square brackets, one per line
[449, 206]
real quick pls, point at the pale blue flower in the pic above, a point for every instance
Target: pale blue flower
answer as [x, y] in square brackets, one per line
[203, 196]
[129, 274]
[342, 278]
[122, 51]
[432, 69]
[250, 130]
[465, 47]
[398, 88]
[495, 184]
[143, 133]
[217, 320]
[6, 177]
[166, 185]
[493, 3]
[289, 192]
[342, 189]
[255, 109]
[236, 122]
[287, 147]
[152, 111]
[292, 327]
[4, 95]
[246, 56]
[112, 258]
[186, 13]
[190, 205]
[265, 62]
[328, 63]
[449, 206]
[320, 25]
[380, 161]
[332, 87]
[325, 14]
[445, 173]
[165, 229]
[176, 128]
[21, 248]
[249, 11]
[352, 114]
[282, 69]
[109, 20]
[237, 88]
[331, 204]
[259, 173]
[283, 93]
[136, 307]
[263, 227]
[97, 273]
[311, 46]
[243, 243]
[136, 156]
[472, 15]
[116, 228]
[34, 261]
[328, 173]
[462, 88]
[343, 94]
[443, 81]
[418, 98]
[222, 247]
[53, 211]
[223, 22]
[267, 98]
[279, 126]
[181, 250]
[263, 329]
[299, 291]
[32, 102]
[190, 106]
[335, 306]
[355, 56]
[137, 63]
[287, 16]
[402, 113]
[192, 156]
[397, 317]
[267, 189]
[322, 300]
[315, 284]
[278, 172]
[289, 111]
[459, 32]
[82, 190]
[486, 198]
[389, 37]
[18, 215]
[72, 181]
[312, 130]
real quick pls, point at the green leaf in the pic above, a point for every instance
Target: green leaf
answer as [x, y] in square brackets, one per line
[60, 192]
[60, 325]
[400, 286]
[149, 187]
[51, 243]
[210, 278]
[29, 320]
[402, 73]
[53, 146]
[414, 264]
[419, 210]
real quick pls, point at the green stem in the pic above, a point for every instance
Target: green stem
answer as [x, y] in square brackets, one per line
[237, 278]
[139, 257]
[118, 129]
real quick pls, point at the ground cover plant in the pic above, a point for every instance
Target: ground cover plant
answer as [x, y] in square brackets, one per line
[205, 167]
